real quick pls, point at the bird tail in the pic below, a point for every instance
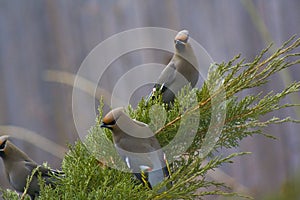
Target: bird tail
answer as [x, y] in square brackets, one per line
[53, 177]
[143, 177]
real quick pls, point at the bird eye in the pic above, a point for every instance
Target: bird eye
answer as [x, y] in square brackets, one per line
[112, 122]
[3, 144]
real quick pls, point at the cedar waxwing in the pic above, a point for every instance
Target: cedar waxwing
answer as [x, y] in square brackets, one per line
[138, 147]
[181, 70]
[18, 166]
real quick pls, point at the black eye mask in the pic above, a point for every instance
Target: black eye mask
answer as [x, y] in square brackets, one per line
[2, 146]
[111, 123]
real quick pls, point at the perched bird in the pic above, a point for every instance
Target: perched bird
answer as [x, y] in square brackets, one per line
[138, 147]
[181, 70]
[18, 166]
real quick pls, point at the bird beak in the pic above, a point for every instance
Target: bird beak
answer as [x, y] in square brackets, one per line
[103, 125]
[179, 44]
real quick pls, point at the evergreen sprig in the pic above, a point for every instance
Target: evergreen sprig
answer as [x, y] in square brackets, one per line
[86, 165]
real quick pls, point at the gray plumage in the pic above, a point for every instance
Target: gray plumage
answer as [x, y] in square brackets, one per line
[181, 70]
[19, 166]
[138, 147]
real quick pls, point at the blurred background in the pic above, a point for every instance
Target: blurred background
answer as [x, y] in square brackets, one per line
[38, 36]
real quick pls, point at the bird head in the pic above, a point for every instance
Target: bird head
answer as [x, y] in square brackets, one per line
[8, 151]
[181, 39]
[3, 145]
[110, 119]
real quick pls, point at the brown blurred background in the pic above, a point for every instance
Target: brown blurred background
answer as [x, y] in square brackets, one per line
[36, 36]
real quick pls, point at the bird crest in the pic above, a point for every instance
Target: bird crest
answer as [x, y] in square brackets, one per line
[112, 116]
[182, 36]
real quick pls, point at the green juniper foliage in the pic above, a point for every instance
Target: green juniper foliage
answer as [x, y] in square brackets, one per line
[222, 120]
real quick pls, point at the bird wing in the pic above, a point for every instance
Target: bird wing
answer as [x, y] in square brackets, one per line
[165, 79]
[141, 124]
[31, 166]
[149, 167]
[44, 170]
[168, 75]
[49, 175]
